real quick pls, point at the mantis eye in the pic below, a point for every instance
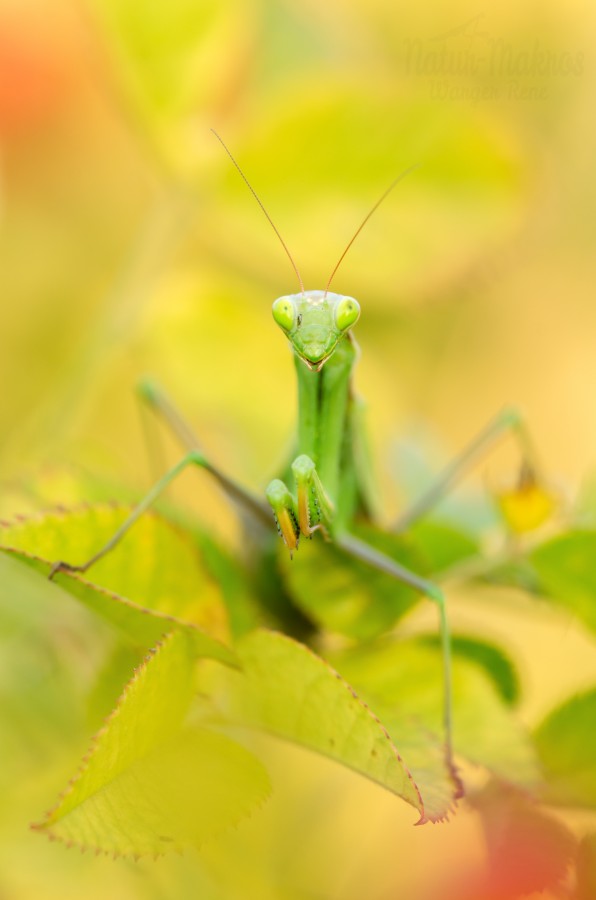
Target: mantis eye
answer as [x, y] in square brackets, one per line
[284, 313]
[347, 313]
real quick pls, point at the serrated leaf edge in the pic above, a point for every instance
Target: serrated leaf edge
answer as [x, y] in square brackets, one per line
[84, 764]
[45, 828]
[421, 809]
[231, 657]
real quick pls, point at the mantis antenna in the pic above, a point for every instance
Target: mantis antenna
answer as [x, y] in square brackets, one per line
[399, 178]
[267, 216]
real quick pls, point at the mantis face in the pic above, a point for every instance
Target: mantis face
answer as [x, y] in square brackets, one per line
[314, 322]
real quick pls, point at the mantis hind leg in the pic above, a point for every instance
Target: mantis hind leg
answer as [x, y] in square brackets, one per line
[194, 458]
[373, 557]
[160, 404]
[508, 421]
[156, 400]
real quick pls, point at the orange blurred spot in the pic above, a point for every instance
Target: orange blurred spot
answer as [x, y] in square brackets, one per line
[36, 68]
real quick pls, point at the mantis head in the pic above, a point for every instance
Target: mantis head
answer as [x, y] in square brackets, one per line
[315, 322]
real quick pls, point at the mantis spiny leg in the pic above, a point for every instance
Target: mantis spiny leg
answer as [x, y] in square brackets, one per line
[309, 510]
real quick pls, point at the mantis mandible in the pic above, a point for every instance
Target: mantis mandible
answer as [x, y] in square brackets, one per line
[330, 480]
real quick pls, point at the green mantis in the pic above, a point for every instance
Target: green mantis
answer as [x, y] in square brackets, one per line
[327, 486]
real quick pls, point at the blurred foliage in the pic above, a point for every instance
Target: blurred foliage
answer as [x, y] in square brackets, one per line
[129, 245]
[564, 742]
[149, 785]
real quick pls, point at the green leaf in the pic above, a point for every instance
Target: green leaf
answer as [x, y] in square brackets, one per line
[424, 754]
[442, 544]
[403, 681]
[288, 691]
[566, 567]
[154, 563]
[565, 745]
[351, 598]
[493, 660]
[149, 785]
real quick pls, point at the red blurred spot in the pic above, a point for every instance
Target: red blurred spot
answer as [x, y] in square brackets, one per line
[529, 851]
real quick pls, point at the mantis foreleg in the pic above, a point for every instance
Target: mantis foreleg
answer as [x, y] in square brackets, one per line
[309, 510]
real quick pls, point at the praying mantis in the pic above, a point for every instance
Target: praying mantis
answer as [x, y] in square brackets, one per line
[327, 485]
